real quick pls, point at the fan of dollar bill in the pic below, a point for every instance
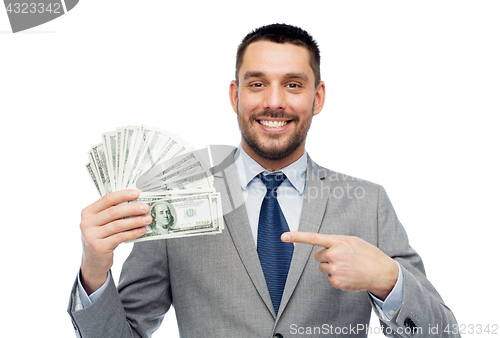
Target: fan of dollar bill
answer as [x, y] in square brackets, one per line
[173, 179]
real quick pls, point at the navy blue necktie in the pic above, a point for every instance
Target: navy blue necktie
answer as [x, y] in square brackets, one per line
[275, 256]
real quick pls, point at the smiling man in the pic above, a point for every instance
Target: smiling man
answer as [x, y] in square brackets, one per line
[301, 254]
[275, 100]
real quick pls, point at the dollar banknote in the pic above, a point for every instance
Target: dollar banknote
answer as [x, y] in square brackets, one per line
[173, 178]
[181, 215]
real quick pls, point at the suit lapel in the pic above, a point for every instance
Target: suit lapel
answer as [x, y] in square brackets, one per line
[313, 208]
[316, 194]
[227, 182]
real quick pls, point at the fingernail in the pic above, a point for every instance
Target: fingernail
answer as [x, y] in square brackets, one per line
[147, 219]
[286, 236]
[134, 193]
[144, 207]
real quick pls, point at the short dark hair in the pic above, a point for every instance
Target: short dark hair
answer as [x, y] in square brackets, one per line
[282, 33]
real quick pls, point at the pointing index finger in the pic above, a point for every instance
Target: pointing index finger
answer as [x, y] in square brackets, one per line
[308, 238]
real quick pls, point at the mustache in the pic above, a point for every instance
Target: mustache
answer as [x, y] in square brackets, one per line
[274, 115]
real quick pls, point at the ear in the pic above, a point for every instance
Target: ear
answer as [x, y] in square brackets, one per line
[233, 95]
[319, 101]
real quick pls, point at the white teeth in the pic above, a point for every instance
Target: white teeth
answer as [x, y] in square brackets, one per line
[273, 124]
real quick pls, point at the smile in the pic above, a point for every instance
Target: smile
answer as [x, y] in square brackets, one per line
[273, 124]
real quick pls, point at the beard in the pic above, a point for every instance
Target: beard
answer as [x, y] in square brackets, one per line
[274, 147]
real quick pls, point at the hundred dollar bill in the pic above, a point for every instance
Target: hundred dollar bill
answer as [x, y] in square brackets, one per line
[218, 221]
[143, 140]
[128, 141]
[174, 170]
[163, 169]
[97, 157]
[158, 145]
[93, 176]
[179, 175]
[215, 200]
[180, 216]
[198, 181]
[109, 143]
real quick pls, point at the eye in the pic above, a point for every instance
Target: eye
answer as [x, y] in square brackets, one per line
[293, 85]
[257, 85]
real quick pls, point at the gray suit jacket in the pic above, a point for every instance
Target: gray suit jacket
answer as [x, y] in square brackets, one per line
[218, 288]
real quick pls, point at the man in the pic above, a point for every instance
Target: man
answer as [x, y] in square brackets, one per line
[229, 284]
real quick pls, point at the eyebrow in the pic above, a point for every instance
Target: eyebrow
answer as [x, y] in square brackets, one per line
[302, 76]
[299, 75]
[252, 74]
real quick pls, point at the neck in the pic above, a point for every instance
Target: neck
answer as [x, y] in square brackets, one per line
[274, 165]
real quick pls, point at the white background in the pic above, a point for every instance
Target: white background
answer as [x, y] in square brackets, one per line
[412, 104]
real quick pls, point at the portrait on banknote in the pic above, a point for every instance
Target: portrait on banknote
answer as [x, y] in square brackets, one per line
[164, 218]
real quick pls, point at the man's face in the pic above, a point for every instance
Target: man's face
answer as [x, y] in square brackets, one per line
[163, 216]
[275, 99]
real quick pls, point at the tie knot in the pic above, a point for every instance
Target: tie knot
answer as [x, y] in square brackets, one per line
[272, 181]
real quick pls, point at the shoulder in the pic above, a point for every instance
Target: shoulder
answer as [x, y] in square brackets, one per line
[317, 172]
[341, 186]
[223, 159]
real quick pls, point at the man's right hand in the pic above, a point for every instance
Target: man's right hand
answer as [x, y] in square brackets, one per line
[103, 229]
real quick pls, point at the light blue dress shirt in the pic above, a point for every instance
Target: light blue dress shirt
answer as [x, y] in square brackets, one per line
[290, 196]
[290, 193]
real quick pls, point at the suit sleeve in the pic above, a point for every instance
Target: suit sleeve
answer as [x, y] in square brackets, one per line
[134, 309]
[422, 306]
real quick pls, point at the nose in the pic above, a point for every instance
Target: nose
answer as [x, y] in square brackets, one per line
[275, 98]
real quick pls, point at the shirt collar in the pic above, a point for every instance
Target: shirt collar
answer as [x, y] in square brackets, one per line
[248, 168]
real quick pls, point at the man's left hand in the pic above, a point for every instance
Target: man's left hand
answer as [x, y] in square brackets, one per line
[350, 263]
